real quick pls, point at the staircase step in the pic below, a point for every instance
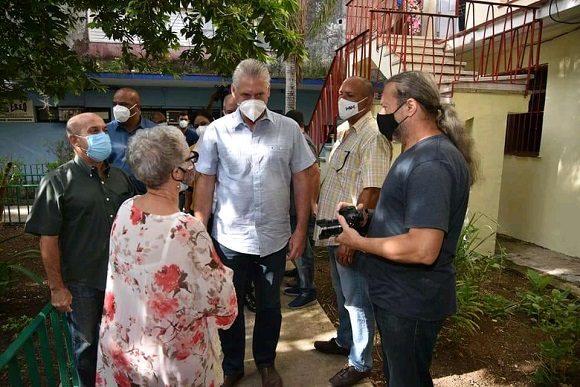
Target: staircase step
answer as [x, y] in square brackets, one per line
[410, 42]
[437, 69]
[437, 59]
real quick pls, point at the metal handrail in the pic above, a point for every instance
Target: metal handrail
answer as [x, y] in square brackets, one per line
[498, 48]
[47, 333]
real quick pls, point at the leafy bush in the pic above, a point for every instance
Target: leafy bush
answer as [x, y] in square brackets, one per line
[472, 268]
[557, 314]
[10, 266]
[497, 306]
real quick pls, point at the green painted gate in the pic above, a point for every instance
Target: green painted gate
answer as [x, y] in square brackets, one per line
[42, 346]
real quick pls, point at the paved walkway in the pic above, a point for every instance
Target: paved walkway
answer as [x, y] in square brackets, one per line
[299, 364]
[563, 268]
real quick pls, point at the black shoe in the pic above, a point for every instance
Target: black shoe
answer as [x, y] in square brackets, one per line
[250, 301]
[291, 273]
[331, 347]
[348, 376]
[233, 379]
[304, 299]
[292, 291]
[270, 377]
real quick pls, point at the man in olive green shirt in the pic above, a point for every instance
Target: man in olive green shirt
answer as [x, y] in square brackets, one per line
[73, 213]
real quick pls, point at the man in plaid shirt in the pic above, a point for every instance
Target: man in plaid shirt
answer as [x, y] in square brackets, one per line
[357, 166]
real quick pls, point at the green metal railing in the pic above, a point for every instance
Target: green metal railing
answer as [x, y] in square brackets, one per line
[20, 192]
[30, 359]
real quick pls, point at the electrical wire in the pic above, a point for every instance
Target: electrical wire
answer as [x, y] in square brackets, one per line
[558, 13]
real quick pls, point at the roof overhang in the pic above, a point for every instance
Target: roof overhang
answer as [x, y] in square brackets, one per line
[189, 80]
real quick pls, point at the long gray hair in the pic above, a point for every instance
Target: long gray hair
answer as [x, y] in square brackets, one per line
[423, 89]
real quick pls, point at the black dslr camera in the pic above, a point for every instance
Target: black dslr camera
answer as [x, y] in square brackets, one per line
[331, 227]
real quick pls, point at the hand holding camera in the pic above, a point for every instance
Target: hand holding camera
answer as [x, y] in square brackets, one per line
[355, 218]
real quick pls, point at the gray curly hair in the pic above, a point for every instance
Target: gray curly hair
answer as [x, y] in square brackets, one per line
[152, 154]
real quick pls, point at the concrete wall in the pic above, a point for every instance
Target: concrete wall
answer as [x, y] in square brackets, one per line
[486, 114]
[29, 142]
[540, 197]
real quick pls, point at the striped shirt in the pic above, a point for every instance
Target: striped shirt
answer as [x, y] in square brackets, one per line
[359, 159]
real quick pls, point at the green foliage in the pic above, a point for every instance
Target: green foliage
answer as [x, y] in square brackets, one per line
[62, 152]
[469, 307]
[472, 268]
[14, 175]
[9, 265]
[15, 324]
[498, 307]
[38, 57]
[558, 315]
[35, 54]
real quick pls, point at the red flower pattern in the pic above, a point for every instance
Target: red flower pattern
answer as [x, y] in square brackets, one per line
[182, 288]
[162, 306]
[109, 306]
[136, 215]
[168, 278]
[120, 360]
[122, 379]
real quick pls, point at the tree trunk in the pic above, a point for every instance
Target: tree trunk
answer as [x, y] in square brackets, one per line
[290, 84]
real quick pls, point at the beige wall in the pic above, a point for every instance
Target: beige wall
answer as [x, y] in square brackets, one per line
[540, 197]
[487, 114]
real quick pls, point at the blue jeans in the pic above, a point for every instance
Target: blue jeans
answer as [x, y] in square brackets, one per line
[356, 325]
[304, 264]
[84, 322]
[407, 348]
[266, 273]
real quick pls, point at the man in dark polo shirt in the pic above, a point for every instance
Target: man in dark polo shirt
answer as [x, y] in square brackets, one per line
[128, 119]
[73, 212]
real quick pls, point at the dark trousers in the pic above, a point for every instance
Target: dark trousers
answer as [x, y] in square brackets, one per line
[84, 322]
[407, 348]
[266, 273]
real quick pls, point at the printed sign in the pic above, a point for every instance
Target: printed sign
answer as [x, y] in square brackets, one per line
[17, 111]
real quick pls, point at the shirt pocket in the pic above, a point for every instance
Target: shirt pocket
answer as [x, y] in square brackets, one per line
[277, 155]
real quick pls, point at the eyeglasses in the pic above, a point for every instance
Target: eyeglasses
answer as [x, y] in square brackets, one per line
[193, 157]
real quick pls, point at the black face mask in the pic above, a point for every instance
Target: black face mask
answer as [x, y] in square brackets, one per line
[387, 123]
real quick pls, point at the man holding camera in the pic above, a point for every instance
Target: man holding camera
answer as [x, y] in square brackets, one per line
[412, 238]
[357, 166]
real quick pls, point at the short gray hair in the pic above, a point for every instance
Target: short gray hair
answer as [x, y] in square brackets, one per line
[251, 68]
[153, 153]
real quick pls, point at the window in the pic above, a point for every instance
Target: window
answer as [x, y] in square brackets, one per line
[524, 130]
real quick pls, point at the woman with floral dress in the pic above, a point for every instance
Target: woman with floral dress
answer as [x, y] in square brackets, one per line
[167, 291]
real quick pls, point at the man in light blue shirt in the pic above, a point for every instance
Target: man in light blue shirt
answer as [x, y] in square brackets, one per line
[128, 119]
[250, 156]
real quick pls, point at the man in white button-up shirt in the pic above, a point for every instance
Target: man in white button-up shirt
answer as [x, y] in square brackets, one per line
[250, 156]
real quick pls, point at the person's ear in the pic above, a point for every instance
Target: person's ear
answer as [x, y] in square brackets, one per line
[410, 107]
[73, 140]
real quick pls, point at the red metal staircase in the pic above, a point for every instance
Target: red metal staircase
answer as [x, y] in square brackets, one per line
[497, 51]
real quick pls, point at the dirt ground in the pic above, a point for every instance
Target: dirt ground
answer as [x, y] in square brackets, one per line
[502, 353]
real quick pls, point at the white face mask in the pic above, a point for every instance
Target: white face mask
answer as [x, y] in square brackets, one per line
[183, 124]
[122, 113]
[347, 109]
[253, 108]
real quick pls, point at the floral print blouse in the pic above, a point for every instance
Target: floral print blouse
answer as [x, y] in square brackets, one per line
[167, 294]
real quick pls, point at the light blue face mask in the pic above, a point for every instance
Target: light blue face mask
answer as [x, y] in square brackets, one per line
[99, 146]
